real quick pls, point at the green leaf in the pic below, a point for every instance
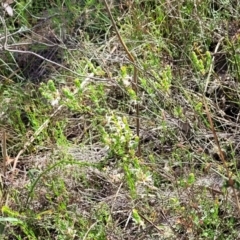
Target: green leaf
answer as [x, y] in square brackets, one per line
[10, 219]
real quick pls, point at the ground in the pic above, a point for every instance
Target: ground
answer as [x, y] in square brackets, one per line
[123, 127]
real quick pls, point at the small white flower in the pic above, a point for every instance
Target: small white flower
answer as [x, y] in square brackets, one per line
[55, 100]
[127, 81]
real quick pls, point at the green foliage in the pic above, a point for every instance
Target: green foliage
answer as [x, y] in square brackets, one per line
[79, 176]
[122, 143]
[137, 219]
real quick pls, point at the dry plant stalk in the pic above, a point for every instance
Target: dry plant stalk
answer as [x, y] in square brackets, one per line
[4, 152]
[6, 159]
[135, 74]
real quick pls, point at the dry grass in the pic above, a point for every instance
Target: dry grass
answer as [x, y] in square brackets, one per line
[72, 133]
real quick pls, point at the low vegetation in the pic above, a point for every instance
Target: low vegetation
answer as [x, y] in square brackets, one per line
[119, 120]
